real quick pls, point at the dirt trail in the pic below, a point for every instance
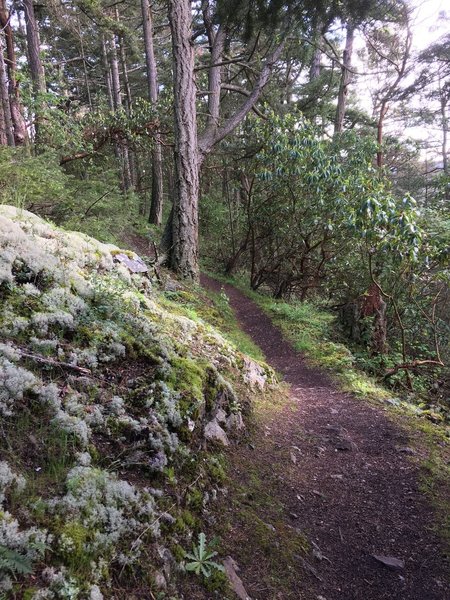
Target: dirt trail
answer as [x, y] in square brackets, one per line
[349, 483]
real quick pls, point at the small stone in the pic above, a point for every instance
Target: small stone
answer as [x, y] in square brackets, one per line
[406, 450]
[160, 581]
[235, 422]
[390, 562]
[221, 416]
[171, 286]
[135, 264]
[254, 374]
[215, 433]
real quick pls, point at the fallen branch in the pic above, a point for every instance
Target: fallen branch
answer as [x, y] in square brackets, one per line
[413, 365]
[53, 363]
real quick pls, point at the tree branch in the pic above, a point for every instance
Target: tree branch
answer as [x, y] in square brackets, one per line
[209, 137]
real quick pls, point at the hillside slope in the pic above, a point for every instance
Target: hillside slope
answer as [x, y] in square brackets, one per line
[107, 401]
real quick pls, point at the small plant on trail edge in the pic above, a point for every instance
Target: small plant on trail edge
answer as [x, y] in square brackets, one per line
[201, 563]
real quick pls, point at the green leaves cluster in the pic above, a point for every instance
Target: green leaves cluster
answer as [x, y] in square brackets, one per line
[334, 183]
[200, 557]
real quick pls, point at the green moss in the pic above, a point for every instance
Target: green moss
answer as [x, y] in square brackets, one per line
[195, 499]
[178, 552]
[188, 377]
[200, 304]
[216, 468]
[216, 582]
[186, 522]
[77, 535]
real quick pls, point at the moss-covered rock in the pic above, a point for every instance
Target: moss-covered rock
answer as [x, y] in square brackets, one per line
[104, 395]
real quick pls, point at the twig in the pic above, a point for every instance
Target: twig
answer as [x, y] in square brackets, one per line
[89, 208]
[53, 363]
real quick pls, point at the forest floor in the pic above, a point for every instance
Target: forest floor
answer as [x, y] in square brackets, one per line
[322, 484]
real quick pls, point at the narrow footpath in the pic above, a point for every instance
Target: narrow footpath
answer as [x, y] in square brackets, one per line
[351, 483]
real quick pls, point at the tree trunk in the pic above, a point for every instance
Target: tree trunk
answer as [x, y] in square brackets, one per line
[190, 151]
[83, 57]
[34, 49]
[20, 128]
[9, 130]
[156, 204]
[130, 162]
[184, 252]
[345, 79]
[107, 74]
[314, 69]
[444, 119]
[115, 77]
[3, 138]
[380, 125]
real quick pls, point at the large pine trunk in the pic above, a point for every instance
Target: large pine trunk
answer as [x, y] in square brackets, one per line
[184, 251]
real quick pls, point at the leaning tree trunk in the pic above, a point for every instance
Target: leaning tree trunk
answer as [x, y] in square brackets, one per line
[184, 252]
[345, 79]
[156, 204]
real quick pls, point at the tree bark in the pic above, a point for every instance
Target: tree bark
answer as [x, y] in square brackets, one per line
[3, 138]
[83, 57]
[130, 162]
[190, 150]
[184, 252]
[444, 119]
[156, 205]
[34, 49]
[345, 79]
[380, 127]
[314, 69]
[20, 128]
[115, 77]
[9, 130]
[107, 74]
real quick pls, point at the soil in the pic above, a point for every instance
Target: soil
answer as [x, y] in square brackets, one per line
[321, 486]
